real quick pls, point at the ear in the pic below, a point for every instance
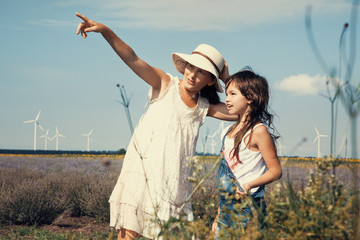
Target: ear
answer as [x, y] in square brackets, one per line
[212, 82]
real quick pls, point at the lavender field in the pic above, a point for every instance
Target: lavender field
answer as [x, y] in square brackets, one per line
[319, 198]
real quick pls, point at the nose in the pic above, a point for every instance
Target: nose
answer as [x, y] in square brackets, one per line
[194, 72]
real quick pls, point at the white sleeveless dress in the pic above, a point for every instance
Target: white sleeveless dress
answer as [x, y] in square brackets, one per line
[153, 180]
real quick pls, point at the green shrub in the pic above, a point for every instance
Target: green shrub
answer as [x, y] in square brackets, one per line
[321, 211]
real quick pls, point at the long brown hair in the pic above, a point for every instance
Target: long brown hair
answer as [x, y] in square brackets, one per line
[256, 89]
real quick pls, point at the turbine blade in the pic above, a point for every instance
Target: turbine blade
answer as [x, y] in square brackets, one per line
[40, 126]
[30, 121]
[37, 117]
[317, 131]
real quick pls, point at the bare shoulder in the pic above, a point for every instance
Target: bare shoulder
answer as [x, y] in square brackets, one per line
[261, 135]
[261, 131]
[165, 81]
[162, 84]
[163, 76]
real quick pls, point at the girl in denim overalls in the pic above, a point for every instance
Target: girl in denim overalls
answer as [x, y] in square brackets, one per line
[249, 154]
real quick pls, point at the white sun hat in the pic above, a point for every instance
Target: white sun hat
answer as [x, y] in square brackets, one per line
[205, 57]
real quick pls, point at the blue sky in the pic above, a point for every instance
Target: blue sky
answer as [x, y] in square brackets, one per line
[45, 65]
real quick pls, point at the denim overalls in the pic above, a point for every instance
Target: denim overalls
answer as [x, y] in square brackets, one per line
[226, 185]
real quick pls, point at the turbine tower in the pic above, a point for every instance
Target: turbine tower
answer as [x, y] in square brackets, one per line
[279, 147]
[220, 129]
[213, 142]
[204, 140]
[318, 139]
[88, 138]
[36, 123]
[57, 135]
[46, 138]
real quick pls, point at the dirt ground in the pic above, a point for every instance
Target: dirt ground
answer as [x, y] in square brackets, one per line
[85, 225]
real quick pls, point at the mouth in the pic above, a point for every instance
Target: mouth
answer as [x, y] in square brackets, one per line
[228, 106]
[191, 82]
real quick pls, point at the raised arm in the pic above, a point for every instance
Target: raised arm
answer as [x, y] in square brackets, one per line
[153, 76]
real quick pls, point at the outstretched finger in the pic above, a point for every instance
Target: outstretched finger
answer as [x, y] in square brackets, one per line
[82, 17]
[80, 26]
[83, 33]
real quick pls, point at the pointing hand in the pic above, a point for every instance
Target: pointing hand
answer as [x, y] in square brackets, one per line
[88, 25]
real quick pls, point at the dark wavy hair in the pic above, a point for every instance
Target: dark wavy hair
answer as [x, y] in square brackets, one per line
[256, 89]
[210, 93]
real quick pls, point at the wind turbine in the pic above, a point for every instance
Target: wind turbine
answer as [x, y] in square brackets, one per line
[213, 142]
[220, 129]
[46, 137]
[57, 135]
[36, 123]
[88, 139]
[205, 140]
[279, 147]
[318, 139]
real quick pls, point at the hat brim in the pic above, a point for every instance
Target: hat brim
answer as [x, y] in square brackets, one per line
[180, 59]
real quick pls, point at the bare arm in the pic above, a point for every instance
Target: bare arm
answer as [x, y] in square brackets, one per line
[220, 111]
[153, 76]
[262, 140]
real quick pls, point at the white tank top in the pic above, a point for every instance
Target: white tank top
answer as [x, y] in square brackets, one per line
[252, 163]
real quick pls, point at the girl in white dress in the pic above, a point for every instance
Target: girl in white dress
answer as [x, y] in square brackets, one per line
[153, 185]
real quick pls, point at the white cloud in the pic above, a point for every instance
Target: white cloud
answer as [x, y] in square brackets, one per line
[189, 15]
[302, 84]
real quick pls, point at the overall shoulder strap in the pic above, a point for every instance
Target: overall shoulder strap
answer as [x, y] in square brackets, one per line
[223, 139]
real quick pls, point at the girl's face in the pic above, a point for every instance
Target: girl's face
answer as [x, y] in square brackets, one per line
[196, 78]
[235, 102]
